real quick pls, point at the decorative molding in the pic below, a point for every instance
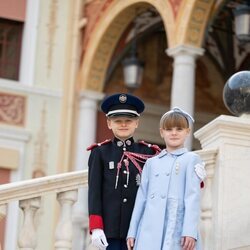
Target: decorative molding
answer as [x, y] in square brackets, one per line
[103, 7]
[15, 134]
[224, 129]
[105, 50]
[208, 155]
[185, 49]
[197, 22]
[12, 109]
[41, 147]
[10, 85]
[52, 27]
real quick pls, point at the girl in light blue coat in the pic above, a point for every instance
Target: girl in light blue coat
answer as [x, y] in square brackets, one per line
[167, 208]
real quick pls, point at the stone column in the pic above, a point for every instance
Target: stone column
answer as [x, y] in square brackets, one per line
[183, 83]
[86, 135]
[230, 184]
[29, 43]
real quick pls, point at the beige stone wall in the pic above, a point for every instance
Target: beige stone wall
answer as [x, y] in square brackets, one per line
[53, 32]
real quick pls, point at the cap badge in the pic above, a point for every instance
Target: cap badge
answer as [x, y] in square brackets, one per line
[122, 98]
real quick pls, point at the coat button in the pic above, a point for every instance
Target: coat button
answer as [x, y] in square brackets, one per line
[156, 174]
[167, 174]
[125, 185]
[152, 196]
[125, 200]
[163, 196]
[124, 171]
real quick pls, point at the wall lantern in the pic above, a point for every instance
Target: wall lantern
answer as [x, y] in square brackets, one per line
[133, 67]
[242, 22]
[133, 72]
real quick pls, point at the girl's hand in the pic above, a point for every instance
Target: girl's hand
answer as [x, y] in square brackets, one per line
[187, 243]
[130, 243]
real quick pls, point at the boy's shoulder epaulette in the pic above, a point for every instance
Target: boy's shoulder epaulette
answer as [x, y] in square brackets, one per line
[153, 146]
[98, 144]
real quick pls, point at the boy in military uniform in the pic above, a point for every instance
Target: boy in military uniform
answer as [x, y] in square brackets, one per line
[114, 173]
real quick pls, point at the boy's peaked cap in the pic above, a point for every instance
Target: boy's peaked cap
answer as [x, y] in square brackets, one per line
[122, 105]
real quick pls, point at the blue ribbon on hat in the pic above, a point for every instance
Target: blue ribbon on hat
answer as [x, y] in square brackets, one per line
[184, 113]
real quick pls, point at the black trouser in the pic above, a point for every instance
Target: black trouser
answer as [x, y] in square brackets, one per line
[115, 244]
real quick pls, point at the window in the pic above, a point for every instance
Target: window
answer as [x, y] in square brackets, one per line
[10, 48]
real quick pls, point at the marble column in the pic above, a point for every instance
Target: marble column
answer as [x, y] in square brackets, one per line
[86, 135]
[183, 83]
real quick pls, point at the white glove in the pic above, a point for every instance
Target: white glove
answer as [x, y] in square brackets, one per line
[99, 239]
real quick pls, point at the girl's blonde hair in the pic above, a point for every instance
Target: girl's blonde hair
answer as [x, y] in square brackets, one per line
[173, 119]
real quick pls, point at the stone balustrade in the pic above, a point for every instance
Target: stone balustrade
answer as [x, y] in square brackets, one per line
[29, 194]
[225, 202]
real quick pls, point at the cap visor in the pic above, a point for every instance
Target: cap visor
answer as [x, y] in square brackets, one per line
[123, 115]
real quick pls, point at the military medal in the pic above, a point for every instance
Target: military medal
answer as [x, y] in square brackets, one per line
[138, 179]
[111, 165]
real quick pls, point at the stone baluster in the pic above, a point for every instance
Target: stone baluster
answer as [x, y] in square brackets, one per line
[206, 208]
[64, 228]
[28, 237]
[3, 210]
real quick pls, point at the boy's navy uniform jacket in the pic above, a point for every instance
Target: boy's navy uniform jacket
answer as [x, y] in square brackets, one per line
[114, 177]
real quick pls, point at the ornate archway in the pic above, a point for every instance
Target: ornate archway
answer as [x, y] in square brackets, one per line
[106, 34]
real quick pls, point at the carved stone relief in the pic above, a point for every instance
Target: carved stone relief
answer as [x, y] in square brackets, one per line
[12, 109]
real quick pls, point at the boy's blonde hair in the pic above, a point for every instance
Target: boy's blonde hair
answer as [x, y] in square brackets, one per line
[173, 119]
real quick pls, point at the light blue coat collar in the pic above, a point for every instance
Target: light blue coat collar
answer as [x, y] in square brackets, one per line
[177, 152]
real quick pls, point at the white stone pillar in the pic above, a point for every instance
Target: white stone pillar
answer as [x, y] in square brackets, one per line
[86, 129]
[29, 43]
[230, 185]
[86, 135]
[183, 83]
